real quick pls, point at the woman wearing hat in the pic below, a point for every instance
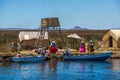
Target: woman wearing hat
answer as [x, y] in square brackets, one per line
[82, 47]
[53, 48]
[91, 48]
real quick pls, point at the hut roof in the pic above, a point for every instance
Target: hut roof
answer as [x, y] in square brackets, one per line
[27, 35]
[114, 33]
[74, 35]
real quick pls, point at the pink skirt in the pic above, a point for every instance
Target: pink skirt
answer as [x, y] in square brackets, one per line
[82, 50]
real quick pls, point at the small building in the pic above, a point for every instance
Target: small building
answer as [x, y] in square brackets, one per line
[111, 39]
[28, 39]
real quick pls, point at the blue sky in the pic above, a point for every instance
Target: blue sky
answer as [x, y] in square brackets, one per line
[92, 14]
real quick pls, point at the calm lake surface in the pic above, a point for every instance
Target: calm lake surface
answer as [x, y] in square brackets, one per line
[61, 70]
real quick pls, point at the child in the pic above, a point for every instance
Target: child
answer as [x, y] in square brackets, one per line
[18, 54]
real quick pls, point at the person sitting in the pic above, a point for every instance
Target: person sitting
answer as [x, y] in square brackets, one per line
[66, 52]
[53, 48]
[18, 55]
[40, 51]
[44, 52]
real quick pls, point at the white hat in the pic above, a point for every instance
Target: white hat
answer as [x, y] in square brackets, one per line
[82, 42]
[91, 41]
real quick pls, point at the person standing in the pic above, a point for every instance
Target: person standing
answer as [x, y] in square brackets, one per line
[91, 48]
[53, 48]
[82, 47]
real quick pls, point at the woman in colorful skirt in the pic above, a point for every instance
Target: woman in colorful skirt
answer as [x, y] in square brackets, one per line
[82, 47]
[53, 48]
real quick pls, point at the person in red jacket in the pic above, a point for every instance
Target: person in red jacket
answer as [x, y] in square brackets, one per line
[53, 48]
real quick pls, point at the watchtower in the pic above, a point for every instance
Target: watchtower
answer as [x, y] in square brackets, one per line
[49, 26]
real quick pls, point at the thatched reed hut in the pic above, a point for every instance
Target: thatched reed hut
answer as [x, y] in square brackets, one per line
[111, 39]
[28, 39]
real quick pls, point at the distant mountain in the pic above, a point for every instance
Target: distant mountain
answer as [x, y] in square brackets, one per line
[79, 28]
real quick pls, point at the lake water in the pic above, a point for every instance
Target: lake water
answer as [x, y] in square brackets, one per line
[61, 70]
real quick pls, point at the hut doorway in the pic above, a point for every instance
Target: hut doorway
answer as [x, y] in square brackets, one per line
[110, 41]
